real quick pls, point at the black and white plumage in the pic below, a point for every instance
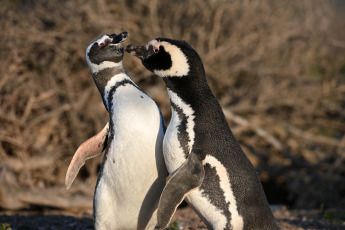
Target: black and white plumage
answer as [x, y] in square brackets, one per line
[208, 167]
[133, 173]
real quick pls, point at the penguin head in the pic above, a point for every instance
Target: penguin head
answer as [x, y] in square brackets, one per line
[106, 52]
[167, 58]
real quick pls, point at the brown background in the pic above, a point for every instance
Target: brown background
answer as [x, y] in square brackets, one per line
[277, 68]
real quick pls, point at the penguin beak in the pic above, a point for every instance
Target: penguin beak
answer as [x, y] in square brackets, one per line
[116, 39]
[142, 52]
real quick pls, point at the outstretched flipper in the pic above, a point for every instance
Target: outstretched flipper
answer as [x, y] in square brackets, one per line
[186, 179]
[88, 149]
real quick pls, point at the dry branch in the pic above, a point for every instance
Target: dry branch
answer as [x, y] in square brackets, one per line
[259, 131]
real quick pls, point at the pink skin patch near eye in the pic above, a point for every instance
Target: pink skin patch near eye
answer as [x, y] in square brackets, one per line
[104, 41]
[155, 49]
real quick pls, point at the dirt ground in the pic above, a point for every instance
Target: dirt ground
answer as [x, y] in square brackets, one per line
[184, 218]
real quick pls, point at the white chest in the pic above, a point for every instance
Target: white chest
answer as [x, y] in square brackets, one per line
[136, 129]
[181, 127]
[134, 162]
[173, 152]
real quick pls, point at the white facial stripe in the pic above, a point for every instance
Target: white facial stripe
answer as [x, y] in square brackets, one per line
[87, 56]
[104, 39]
[225, 185]
[94, 68]
[179, 66]
[189, 112]
[117, 78]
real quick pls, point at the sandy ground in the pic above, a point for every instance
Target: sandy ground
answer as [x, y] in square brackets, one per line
[184, 218]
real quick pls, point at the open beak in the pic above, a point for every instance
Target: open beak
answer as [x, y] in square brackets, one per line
[118, 38]
[142, 52]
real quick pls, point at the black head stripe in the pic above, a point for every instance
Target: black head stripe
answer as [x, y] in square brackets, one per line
[99, 54]
[179, 43]
[160, 61]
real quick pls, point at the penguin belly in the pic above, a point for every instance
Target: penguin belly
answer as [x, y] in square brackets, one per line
[174, 158]
[208, 201]
[133, 173]
[214, 200]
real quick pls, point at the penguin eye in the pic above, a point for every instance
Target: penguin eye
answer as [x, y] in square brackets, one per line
[155, 49]
[101, 44]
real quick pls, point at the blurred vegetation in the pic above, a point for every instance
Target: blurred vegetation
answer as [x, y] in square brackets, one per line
[5, 226]
[277, 68]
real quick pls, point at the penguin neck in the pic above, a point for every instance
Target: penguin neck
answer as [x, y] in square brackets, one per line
[106, 77]
[192, 89]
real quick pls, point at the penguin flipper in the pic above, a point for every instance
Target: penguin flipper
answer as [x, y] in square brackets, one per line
[88, 149]
[186, 179]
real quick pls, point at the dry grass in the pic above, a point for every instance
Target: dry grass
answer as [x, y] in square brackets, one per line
[277, 68]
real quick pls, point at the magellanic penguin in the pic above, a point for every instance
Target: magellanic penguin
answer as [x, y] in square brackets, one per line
[133, 172]
[208, 167]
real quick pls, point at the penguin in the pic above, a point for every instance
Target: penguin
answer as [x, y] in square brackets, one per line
[208, 168]
[133, 173]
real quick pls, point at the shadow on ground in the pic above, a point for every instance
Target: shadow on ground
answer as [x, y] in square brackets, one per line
[43, 222]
